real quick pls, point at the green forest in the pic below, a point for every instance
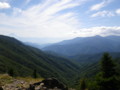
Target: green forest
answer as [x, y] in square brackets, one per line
[107, 78]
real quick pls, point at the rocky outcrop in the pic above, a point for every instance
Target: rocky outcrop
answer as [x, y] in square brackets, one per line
[16, 85]
[1, 88]
[48, 84]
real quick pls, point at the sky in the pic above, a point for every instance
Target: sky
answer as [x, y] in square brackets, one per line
[54, 20]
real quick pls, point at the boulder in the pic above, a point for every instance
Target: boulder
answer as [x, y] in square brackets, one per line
[1, 88]
[49, 83]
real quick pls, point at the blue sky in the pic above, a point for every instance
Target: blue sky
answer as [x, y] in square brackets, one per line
[59, 19]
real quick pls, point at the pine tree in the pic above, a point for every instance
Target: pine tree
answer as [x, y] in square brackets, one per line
[35, 73]
[82, 84]
[107, 77]
[107, 66]
[11, 72]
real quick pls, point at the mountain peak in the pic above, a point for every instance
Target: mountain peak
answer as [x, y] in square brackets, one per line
[86, 45]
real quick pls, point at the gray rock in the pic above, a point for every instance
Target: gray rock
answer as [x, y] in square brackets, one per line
[48, 84]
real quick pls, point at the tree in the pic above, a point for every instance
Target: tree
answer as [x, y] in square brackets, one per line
[107, 66]
[107, 79]
[11, 72]
[35, 73]
[82, 84]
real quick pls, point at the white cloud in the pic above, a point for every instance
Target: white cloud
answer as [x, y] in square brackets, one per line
[4, 5]
[16, 11]
[27, 1]
[100, 5]
[103, 14]
[118, 11]
[102, 30]
[46, 20]
[42, 20]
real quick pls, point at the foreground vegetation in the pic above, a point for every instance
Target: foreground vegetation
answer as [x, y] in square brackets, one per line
[8, 82]
[108, 78]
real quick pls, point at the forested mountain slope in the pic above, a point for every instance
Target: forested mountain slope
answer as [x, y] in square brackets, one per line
[24, 59]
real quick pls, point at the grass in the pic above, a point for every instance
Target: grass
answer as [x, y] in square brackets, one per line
[5, 80]
[29, 79]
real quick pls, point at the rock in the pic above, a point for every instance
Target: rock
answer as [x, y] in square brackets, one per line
[1, 88]
[16, 85]
[32, 87]
[48, 84]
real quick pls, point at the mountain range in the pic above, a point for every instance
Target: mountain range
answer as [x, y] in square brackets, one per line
[85, 46]
[65, 63]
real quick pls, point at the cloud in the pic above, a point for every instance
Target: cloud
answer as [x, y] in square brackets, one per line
[16, 11]
[118, 11]
[27, 1]
[100, 5]
[102, 30]
[103, 14]
[4, 5]
[46, 19]
[51, 19]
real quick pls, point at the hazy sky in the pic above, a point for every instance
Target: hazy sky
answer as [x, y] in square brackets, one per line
[59, 18]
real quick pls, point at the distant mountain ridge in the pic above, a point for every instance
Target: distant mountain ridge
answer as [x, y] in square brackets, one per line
[86, 45]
